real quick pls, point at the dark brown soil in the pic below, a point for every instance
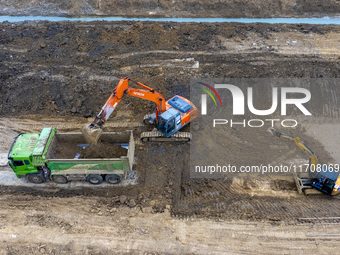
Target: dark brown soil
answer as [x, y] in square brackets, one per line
[103, 150]
[63, 69]
[66, 151]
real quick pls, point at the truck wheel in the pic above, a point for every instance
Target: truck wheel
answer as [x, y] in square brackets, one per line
[34, 178]
[94, 179]
[61, 179]
[113, 178]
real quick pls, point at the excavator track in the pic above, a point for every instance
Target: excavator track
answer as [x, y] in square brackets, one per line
[156, 136]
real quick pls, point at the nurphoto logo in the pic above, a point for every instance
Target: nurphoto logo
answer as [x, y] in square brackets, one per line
[296, 97]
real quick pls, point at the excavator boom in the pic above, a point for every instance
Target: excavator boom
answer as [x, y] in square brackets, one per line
[118, 93]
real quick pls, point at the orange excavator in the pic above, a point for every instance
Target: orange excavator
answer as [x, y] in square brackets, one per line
[169, 117]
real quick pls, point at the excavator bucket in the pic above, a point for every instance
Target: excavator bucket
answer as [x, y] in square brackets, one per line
[271, 130]
[91, 134]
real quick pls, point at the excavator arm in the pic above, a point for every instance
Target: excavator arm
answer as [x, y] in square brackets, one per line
[118, 93]
[312, 156]
[93, 131]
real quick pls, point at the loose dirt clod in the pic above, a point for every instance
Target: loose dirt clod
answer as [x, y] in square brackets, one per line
[91, 135]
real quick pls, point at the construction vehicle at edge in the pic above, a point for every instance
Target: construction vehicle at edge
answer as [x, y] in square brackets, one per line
[326, 180]
[169, 116]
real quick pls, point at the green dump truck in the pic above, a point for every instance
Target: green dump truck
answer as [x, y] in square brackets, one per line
[53, 156]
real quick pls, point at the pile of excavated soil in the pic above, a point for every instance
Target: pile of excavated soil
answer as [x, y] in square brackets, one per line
[103, 150]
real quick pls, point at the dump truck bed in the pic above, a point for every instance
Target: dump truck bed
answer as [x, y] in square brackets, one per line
[69, 153]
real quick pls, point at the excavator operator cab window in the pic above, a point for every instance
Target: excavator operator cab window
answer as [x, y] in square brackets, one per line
[166, 126]
[167, 122]
[161, 124]
[170, 126]
[328, 185]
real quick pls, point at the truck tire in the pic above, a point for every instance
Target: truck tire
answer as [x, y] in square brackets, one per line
[61, 179]
[113, 178]
[35, 178]
[94, 179]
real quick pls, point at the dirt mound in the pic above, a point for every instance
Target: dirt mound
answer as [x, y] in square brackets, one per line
[103, 150]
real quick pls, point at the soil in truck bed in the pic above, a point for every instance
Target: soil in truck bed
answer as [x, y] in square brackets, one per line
[101, 150]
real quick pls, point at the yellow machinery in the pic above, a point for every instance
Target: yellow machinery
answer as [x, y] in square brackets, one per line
[321, 177]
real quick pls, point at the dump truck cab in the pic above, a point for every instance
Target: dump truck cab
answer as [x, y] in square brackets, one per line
[27, 153]
[20, 154]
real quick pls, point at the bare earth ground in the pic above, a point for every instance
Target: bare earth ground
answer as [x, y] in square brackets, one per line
[55, 227]
[202, 217]
[59, 74]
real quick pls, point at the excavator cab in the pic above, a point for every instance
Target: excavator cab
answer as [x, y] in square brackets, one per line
[325, 185]
[325, 181]
[169, 122]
